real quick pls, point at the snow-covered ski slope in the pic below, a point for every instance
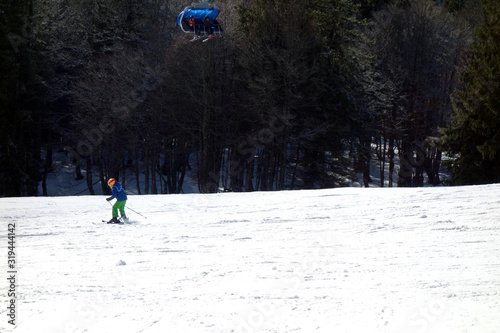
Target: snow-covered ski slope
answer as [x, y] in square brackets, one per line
[339, 260]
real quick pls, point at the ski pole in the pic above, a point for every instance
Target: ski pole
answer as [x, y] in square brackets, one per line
[131, 210]
[137, 212]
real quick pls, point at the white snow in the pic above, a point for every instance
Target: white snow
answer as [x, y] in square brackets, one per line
[341, 260]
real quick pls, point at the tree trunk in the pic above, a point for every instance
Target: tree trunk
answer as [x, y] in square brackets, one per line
[405, 164]
[381, 154]
[137, 172]
[88, 161]
[47, 168]
[146, 171]
[390, 155]
[154, 186]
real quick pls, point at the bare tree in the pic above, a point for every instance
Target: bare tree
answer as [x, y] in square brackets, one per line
[416, 48]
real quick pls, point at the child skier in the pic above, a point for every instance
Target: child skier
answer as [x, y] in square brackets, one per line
[121, 198]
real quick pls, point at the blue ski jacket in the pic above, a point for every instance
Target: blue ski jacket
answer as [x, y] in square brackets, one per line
[118, 192]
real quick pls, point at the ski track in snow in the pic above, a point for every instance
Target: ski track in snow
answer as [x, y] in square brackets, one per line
[339, 260]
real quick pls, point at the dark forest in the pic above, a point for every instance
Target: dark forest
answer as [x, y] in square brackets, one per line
[298, 94]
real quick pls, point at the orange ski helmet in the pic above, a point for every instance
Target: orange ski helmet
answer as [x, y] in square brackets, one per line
[111, 182]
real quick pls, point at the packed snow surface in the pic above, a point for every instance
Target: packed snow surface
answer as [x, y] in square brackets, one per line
[339, 260]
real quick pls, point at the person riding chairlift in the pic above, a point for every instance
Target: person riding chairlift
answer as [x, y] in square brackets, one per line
[209, 27]
[192, 25]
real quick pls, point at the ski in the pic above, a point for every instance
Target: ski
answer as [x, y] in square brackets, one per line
[119, 222]
[209, 37]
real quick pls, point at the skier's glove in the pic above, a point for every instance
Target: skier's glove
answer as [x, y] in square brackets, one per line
[108, 199]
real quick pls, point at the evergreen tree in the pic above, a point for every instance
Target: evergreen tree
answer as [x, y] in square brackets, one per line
[21, 100]
[338, 29]
[472, 139]
[453, 5]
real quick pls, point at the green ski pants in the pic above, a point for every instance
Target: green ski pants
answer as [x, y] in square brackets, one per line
[119, 205]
